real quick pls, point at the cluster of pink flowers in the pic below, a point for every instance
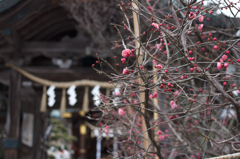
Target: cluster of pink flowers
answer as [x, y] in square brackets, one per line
[159, 46]
[200, 19]
[161, 137]
[107, 129]
[126, 53]
[154, 95]
[191, 15]
[221, 64]
[173, 104]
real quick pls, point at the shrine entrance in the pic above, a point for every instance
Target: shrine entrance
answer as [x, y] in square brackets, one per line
[42, 50]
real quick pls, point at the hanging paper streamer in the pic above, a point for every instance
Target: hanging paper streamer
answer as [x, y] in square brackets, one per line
[63, 102]
[96, 95]
[64, 85]
[43, 106]
[86, 100]
[51, 94]
[116, 92]
[72, 100]
[98, 148]
[228, 112]
[115, 147]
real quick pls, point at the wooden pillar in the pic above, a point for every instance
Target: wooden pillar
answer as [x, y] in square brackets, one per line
[83, 132]
[155, 115]
[37, 130]
[13, 117]
[136, 22]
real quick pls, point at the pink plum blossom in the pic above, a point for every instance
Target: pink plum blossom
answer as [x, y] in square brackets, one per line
[226, 64]
[121, 112]
[155, 25]
[150, 96]
[159, 66]
[191, 15]
[176, 93]
[126, 52]
[125, 71]
[219, 65]
[200, 26]
[159, 132]
[155, 94]
[159, 46]
[173, 104]
[224, 57]
[200, 19]
[154, 62]
[123, 60]
[161, 137]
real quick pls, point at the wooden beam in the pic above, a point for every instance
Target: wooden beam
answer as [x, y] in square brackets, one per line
[13, 11]
[48, 48]
[51, 26]
[13, 114]
[44, 17]
[55, 74]
[53, 49]
[15, 42]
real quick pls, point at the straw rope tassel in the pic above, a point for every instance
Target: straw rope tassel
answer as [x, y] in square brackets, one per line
[43, 106]
[86, 100]
[63, 102]
[66, 85]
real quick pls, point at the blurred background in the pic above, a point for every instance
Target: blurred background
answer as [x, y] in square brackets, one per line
[55, 40]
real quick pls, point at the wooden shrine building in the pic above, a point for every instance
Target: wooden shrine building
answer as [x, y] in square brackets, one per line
[41, 38]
